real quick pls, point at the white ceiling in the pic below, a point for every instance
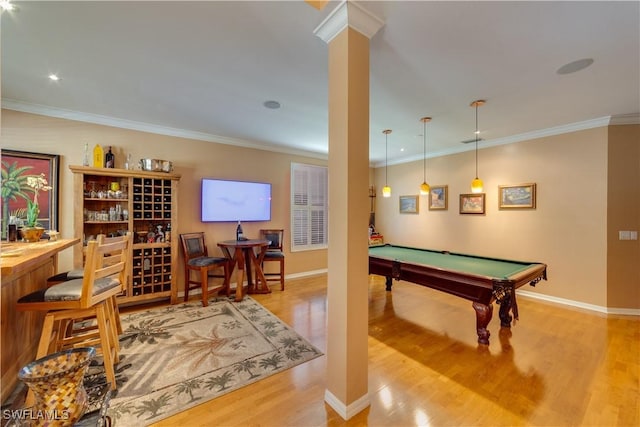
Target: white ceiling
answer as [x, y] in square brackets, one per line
[203, 69]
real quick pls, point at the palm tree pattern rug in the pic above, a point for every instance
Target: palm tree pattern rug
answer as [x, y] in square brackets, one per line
[176, 357]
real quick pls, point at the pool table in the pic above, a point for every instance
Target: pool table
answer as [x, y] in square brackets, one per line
[479, 279]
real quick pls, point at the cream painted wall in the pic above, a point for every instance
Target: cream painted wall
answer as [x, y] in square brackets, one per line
[192, 159]
[567, 231]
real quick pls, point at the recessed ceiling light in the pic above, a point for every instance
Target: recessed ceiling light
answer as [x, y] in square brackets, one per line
[6, 5]
[574, 66]
[54, 77]
[273, 105]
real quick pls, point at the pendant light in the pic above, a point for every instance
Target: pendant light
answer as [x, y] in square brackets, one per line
[424, 187]
[386, 190]
[476, 184]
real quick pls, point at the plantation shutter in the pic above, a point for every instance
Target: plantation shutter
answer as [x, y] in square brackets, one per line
[309, 199]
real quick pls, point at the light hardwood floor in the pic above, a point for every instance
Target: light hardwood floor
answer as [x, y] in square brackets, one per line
[557, 366]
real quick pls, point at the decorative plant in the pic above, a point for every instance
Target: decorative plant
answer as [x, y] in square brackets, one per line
[12, 186]
[37, 183]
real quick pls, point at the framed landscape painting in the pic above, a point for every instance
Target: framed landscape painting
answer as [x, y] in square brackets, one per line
[439, 198]
[472, 203]
[522, 196]
[409, 204]
[17, 167]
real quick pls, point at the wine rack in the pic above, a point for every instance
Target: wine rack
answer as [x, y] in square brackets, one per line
[151, 270]
[115, 201]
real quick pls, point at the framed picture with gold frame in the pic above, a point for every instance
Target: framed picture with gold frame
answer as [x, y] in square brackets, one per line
[439, 198]
[409, 204]
[17, 168]
[472, 203]
[521, 196]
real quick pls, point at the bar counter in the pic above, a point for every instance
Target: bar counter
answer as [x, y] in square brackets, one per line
[25, 268]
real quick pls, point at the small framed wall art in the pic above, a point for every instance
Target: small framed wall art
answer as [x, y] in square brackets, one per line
[409, 204]
[439, 198]
[472, 203]
[521, 196]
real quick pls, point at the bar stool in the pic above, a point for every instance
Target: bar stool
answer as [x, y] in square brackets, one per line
[89, 298]
[274, 253]
[78, 273]
[197, 260]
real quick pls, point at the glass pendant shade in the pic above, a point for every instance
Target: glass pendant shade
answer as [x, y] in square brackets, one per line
[476, 185]
[424, 189]
[386, 191]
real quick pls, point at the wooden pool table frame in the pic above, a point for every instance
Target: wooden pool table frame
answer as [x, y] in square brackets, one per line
[481, 290]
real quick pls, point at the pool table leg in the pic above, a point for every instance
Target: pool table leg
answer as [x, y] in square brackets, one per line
[505, 307]
[484, 313]
[389, 282]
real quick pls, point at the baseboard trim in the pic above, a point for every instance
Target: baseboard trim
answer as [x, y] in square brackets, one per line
[310, 273]
[346, 411]
[582, 305]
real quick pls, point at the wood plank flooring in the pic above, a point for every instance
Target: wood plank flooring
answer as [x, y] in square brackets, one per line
[557, 366]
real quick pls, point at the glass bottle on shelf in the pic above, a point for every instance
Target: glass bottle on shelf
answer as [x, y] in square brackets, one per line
[98, 156]
[109, 159]
[85, 156]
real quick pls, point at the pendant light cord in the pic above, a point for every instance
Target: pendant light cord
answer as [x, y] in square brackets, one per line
[424, 151]
[386, 157]
[476, 140]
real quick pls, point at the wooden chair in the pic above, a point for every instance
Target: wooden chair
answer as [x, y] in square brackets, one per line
[78, 273]
[197, 260]
[274, 253]
[75, 302]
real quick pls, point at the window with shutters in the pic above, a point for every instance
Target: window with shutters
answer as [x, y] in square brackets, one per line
[309, 207]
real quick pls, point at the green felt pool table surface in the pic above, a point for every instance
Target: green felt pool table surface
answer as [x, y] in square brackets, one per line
[470, 264]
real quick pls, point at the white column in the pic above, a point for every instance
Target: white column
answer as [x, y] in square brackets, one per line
[347, 31]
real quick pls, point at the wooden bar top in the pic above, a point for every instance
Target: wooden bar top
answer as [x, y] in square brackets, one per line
[25, 268]
[17, 257]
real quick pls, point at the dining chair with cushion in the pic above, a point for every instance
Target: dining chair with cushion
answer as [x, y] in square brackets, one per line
[82, 312]
[198, 262]
[274, 254]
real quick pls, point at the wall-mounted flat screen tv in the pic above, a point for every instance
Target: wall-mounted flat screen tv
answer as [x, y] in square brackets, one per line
[226, 200]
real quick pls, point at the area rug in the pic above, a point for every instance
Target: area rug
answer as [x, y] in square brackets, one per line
[179, 356]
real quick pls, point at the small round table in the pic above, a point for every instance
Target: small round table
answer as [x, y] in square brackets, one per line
[243, 256]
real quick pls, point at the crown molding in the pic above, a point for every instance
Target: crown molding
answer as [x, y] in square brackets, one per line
[527, 136]
[348, 14]
[625, 119]
[98, 119]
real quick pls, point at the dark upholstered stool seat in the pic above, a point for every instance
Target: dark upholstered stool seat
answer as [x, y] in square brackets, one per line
[67, 275]
[273, 255]
[71, 290]
[205, 261]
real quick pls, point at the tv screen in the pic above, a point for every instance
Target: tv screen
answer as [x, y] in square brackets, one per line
[224, 201]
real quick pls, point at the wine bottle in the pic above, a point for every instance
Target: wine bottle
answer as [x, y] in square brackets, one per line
[109, 159]
[239, 233]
